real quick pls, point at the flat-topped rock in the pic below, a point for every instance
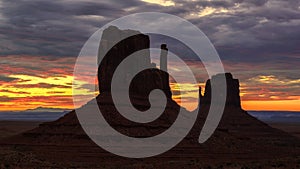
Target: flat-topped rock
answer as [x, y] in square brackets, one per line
[232, 88]
[115, 46]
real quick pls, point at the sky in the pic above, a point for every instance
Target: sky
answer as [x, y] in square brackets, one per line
[257, 41]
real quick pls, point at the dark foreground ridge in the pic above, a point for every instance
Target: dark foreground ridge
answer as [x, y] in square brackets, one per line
[240, 139]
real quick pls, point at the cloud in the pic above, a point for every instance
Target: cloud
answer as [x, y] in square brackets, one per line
[6, 99]
[7, 79]
[56, 28]
[40, 85]
[161, 2]
[270, 87]
[13, 92]
[262, 29]
[41, 66]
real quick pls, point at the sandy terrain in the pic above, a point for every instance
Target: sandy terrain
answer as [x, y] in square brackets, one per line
[10, 128]
[13, 157]
[293, 129]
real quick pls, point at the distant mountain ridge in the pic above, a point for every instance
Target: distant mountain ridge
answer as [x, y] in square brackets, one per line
[46, 109]
[37, 114]
[277, 116]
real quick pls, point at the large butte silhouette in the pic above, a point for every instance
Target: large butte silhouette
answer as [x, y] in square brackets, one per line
[239, 136]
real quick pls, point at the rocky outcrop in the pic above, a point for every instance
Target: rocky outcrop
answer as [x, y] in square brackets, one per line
[115, 46]
[232, 88]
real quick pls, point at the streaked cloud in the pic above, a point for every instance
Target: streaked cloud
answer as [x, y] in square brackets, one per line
[47, 83]
[161, 2]
[6, 79]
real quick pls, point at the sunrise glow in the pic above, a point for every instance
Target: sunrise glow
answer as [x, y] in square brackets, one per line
[51, 87]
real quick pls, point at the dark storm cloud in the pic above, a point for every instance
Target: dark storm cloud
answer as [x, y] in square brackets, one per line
[250, 31]
[255, 31]
[57, 28]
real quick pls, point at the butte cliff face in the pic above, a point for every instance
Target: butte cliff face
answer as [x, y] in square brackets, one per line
[232, 88]
[115, 46]
[239, 136]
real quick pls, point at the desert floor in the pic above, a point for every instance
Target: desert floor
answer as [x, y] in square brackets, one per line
[12, 158]
[10, 128]
[292, 128]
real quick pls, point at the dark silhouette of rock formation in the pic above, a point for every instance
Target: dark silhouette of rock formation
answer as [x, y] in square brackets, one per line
[116, 45]
[239, 136]
[163, 57]
[232, 95]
